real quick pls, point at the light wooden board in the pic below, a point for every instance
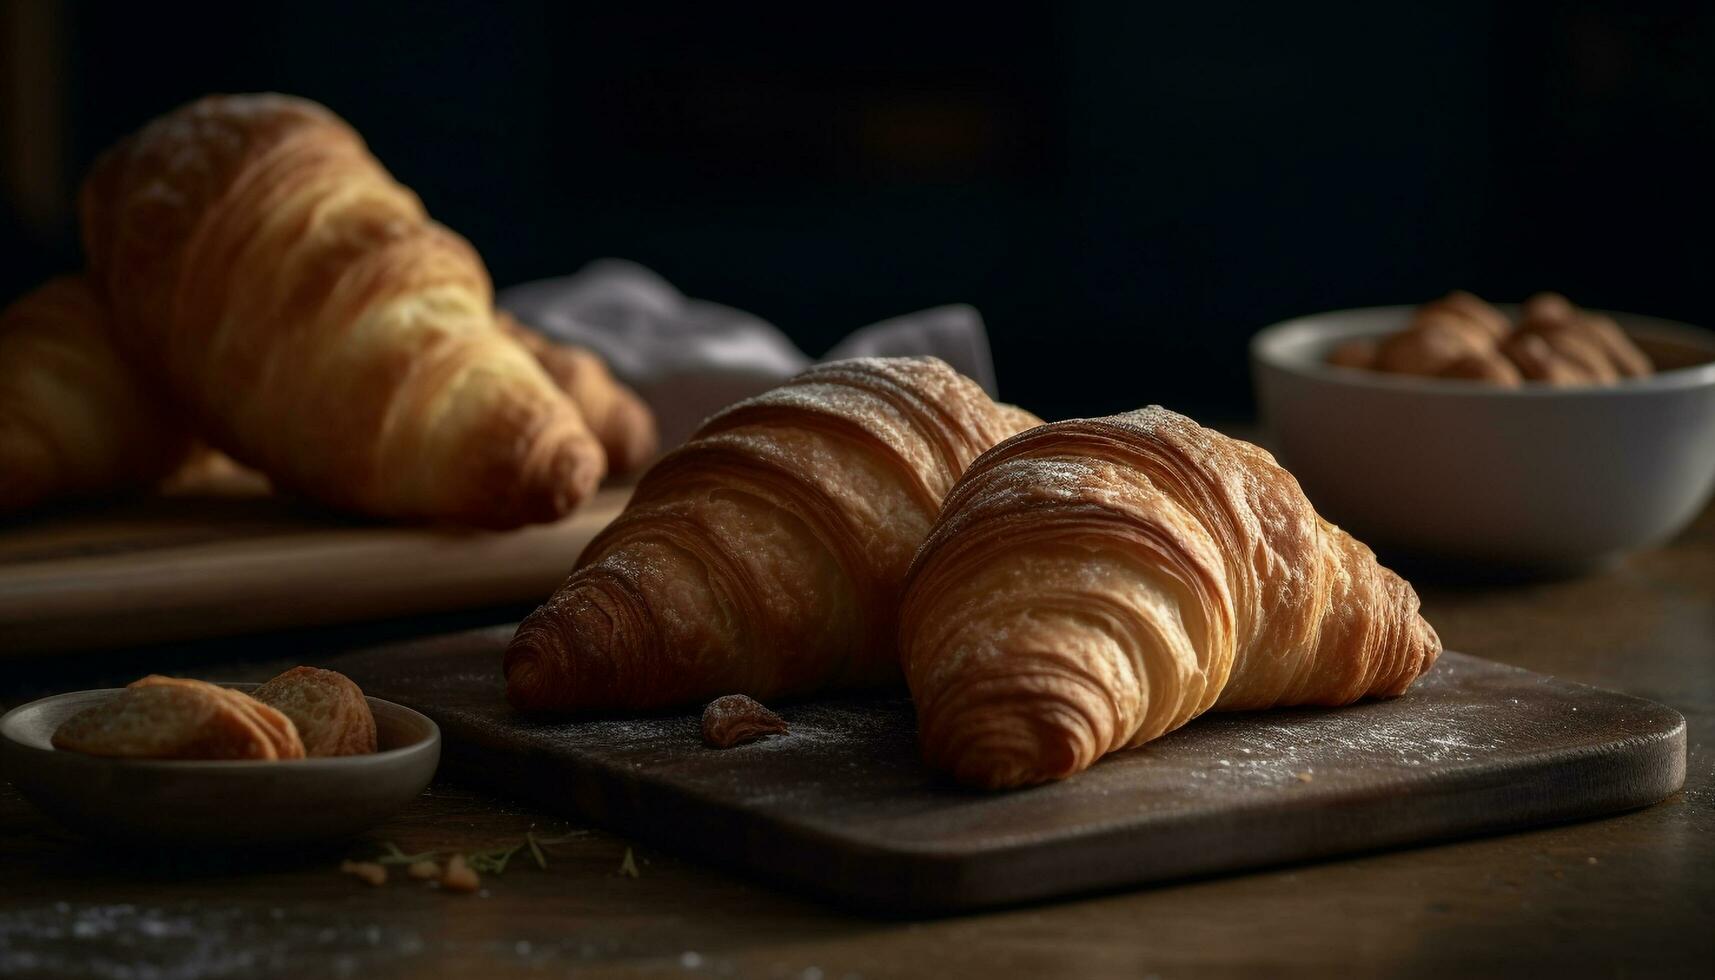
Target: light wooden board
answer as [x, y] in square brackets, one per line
[842, 807]
[167, 569]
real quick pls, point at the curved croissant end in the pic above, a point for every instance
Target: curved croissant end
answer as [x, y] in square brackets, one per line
[766, 555]
[1093, 584]
[300, 305]
[74, 419]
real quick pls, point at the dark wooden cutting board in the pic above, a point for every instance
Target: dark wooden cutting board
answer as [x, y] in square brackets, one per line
[842, 807]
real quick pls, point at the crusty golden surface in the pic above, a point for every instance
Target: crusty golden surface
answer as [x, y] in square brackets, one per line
[1093, 584]
[615, 414]
[766, 555]
[74, 419]
[303, 309]
[167, 718]
[328, 709]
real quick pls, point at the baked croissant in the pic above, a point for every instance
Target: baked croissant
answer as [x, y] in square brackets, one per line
[619, 419]
[301, 307]
[766, 555]
[74, 419]
[1093, 584]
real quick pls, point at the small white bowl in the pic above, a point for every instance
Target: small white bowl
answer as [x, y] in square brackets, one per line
[194, 802]
[1537, 476]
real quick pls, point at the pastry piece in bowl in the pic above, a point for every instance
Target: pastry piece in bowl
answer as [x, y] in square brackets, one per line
[168, 718]
[328, 708]
[162, 762]
[276, 727]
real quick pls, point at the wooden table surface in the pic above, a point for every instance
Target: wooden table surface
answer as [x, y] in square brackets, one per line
[1629, 896]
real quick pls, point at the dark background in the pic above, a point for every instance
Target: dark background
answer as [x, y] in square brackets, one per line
[1125, 191]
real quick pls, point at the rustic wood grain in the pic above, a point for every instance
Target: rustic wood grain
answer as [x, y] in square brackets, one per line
[1627, 896]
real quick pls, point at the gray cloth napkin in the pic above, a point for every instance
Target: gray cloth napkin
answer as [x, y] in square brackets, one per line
[689, 358]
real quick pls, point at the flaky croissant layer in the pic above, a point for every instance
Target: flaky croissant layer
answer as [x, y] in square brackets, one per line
[766, 555]
[1091, 585]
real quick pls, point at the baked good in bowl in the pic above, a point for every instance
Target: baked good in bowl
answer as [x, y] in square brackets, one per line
[1537, 476]
[1551, 341]
[173, 718]
[304, 712]
[207, 802]
[327, 708]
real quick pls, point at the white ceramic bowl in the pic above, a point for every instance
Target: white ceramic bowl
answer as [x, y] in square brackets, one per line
[1532, 477]
[196, 803]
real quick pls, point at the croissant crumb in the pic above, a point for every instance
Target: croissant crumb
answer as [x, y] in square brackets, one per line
[459, 876]
[368, 872]
[736, 719]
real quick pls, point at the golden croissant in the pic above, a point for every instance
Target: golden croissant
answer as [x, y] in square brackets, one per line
[766, 555]
[312, 321]
[74, 419]
[1093, 584]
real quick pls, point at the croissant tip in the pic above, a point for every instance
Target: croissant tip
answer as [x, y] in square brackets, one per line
[560, 484]
[1430, 645]
[998, 768]
[1007, 751]
[523, 685]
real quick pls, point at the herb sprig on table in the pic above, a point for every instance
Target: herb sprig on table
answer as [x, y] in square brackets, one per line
[460, 870]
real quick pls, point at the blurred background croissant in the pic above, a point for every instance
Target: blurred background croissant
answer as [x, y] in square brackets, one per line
[258, 280]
